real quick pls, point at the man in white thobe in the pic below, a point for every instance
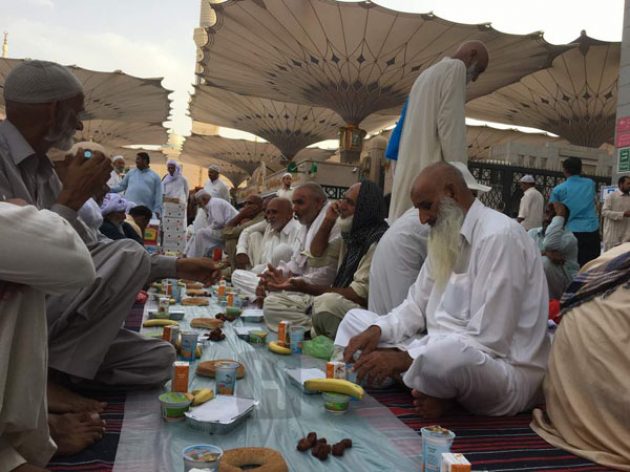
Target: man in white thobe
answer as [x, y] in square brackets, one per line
[434, 127]
[616, 215]
[218, 213]
[174, 184]
[286, 191]
[531, 207]
[473, 328]
[268, 242]
[85, 339]
[118, 172]
[310, 206]
[42, 253]
[214, 186]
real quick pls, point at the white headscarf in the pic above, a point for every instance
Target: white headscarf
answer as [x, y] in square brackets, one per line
[178, 171]
[113, 203]
[90, 214]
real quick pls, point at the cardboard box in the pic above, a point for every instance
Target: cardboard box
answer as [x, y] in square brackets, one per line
[452, 462]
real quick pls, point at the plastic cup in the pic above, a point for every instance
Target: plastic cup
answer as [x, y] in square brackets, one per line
[335, 403]
[225, 377]
[174, 405]
[297, 338]
[202, 456]
[189, 344]
[435, 441]
[163, 308]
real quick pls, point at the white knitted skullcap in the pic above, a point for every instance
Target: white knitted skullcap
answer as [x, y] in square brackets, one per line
[37, 82]
[215, 168]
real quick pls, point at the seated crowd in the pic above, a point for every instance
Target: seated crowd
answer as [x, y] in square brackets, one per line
[449, 300]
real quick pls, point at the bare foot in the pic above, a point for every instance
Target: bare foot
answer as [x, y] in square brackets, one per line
[73, 432]
[430, 407]
[62, 400]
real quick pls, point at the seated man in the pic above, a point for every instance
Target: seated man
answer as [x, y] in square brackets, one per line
[268, 242]
[309, 205]
[86, 341]
[588, 374]
[559, 249]
[114, 225]
[41, 255]
[251, 213]
[473, 328]
[401, 252]
[139, 218]
[218, 213]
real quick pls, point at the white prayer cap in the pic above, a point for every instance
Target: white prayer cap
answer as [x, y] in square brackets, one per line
[215, 168]
[287, 174]
[40, 82]
[201, 193]
[528, 179]
[113, 203]
[118, 158]
[471, 183]
[91, 145]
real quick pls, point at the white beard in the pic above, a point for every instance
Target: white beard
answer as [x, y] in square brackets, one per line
[470, 71]
[444, 241]
[345, 224]
[63, 136]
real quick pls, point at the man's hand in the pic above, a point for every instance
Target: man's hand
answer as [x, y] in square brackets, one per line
[242, 261]
[274, 279]
[365, 342]
[376, 366]
[332, 212]
[555, 257]
[200, 269]
[82, 178]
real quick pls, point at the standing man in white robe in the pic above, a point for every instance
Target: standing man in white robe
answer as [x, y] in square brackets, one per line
[473, 329]
[41, 254]
[218, 213]
[174, 184]
[434, 126]
[118, 172]
[214, 186]
[286, 191]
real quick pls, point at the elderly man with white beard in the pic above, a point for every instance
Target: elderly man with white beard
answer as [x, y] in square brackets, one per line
[473, 329]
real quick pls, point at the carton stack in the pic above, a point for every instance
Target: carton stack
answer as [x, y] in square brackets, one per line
[174, 227]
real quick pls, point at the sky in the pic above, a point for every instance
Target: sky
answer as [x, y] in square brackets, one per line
[149, 38]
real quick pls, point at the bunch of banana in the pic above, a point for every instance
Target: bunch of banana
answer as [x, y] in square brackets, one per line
[200, 396]
[159, 322]
[335, 385]
[277, 348]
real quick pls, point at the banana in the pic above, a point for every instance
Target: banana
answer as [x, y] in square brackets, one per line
[202, 396]
[276, 348]
[190, 396]
[335, 385]
[159, 322]
[198, 351]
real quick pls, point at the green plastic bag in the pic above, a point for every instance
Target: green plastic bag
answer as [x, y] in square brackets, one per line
[320, 347]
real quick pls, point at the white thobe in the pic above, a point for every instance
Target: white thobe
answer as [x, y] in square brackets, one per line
[616, 226]
[531, 209]
[40, 251]
[219, 212]
[434, 129]
[217, 189]
[397, 262]
[283, 193]
[176, 188]
[264, 246]
[486, 342]
[115, 179]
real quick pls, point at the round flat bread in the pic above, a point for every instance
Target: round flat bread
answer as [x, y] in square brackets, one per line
[208, 368]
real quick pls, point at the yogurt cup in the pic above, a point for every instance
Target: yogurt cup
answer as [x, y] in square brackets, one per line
[336, 403]
[174, 405]
[225, 377]
[296, 337]
[163, 308]
[202, 456]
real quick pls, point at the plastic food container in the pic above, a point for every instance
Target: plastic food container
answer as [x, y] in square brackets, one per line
[174, 405]
[202, 456]
[336, 403]
[258, 337]
[221, 415]
[231, 313]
